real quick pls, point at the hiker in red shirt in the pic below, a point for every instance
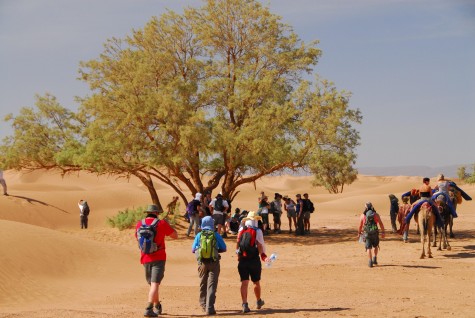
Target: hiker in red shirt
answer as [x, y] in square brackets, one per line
[369, 221]
[153, 255]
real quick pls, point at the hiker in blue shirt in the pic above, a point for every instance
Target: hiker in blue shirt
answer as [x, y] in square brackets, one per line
[207, 246]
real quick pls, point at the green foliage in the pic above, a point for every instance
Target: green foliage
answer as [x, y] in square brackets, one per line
[44, 138]
[126, 219]
[333, 170]
[470, 178]
[466, 176]
[462, 173]
[215, 91]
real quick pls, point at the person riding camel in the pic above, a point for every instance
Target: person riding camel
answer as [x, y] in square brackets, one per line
[442, 188]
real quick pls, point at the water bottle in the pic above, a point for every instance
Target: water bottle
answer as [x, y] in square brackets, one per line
[271, 260]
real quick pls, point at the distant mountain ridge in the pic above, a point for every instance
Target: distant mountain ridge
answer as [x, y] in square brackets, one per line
[449, 171]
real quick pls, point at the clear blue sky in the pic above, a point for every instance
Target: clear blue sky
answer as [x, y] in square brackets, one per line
[410, 64]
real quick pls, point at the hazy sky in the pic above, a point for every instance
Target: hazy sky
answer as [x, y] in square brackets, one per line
[410, 64]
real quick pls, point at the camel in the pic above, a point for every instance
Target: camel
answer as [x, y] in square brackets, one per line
[426, 220]
[456, 199]
[446, 216]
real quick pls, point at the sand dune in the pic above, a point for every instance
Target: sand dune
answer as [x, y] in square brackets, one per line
[51, 268]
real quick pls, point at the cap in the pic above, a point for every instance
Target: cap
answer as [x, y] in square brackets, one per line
[152, 208]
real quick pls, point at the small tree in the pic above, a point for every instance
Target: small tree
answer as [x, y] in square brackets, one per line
[471, 178]
[462, 173]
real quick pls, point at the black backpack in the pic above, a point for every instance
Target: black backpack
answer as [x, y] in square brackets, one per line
[219, 205]
[310, 206]
[85, 209]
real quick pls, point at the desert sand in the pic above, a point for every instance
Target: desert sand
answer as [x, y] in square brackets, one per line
[49, 267]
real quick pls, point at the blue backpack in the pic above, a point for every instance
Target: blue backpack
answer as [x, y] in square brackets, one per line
[191, 208]
[146, 237]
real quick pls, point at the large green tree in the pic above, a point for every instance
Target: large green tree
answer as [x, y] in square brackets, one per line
[211, 97]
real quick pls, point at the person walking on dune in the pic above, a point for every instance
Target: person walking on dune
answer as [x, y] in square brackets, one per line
[150, 233]
[207, 246]
[84, 210]
[368, 227]
[249, 247]
[3, 183]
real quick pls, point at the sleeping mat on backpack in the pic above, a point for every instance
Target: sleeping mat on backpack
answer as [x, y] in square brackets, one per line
[417, 207]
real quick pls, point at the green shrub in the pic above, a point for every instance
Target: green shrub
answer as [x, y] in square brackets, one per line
[126, 219]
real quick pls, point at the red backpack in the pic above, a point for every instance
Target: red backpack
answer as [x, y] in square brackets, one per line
[247, 243]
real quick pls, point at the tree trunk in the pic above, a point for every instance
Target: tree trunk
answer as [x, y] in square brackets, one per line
[148, 182]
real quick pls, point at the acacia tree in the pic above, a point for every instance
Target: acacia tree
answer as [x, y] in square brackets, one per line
[44, 138]
[211, 97]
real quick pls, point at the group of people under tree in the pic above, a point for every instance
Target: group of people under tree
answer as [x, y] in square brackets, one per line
[207, 246]
[443, 197]
[298, 213]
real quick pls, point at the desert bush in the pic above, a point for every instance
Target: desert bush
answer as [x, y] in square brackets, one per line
[126, 219]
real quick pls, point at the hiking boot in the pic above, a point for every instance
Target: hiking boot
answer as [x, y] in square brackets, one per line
[211, 312]
[159, 308]
[375, 262]
[260, 303]
[149, 313]
[245, 308]
[370, 263]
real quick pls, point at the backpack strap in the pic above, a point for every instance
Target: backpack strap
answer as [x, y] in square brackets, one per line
[154, 223]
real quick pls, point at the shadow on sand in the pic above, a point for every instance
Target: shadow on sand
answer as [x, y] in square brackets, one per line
[33, 201]
[470, 253]
[320, 236]
[268, 311]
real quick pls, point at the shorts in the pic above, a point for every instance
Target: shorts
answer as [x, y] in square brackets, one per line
[306, 215]
[250, 268]
[154, 271]
[218, 218]
[291, 213]
[265, 218]
[276, 217]
[371, 241]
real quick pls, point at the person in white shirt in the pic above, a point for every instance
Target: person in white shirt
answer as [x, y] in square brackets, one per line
[3, 183]
[218, 207]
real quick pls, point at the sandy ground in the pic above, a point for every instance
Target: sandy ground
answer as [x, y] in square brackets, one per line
[49, 267]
